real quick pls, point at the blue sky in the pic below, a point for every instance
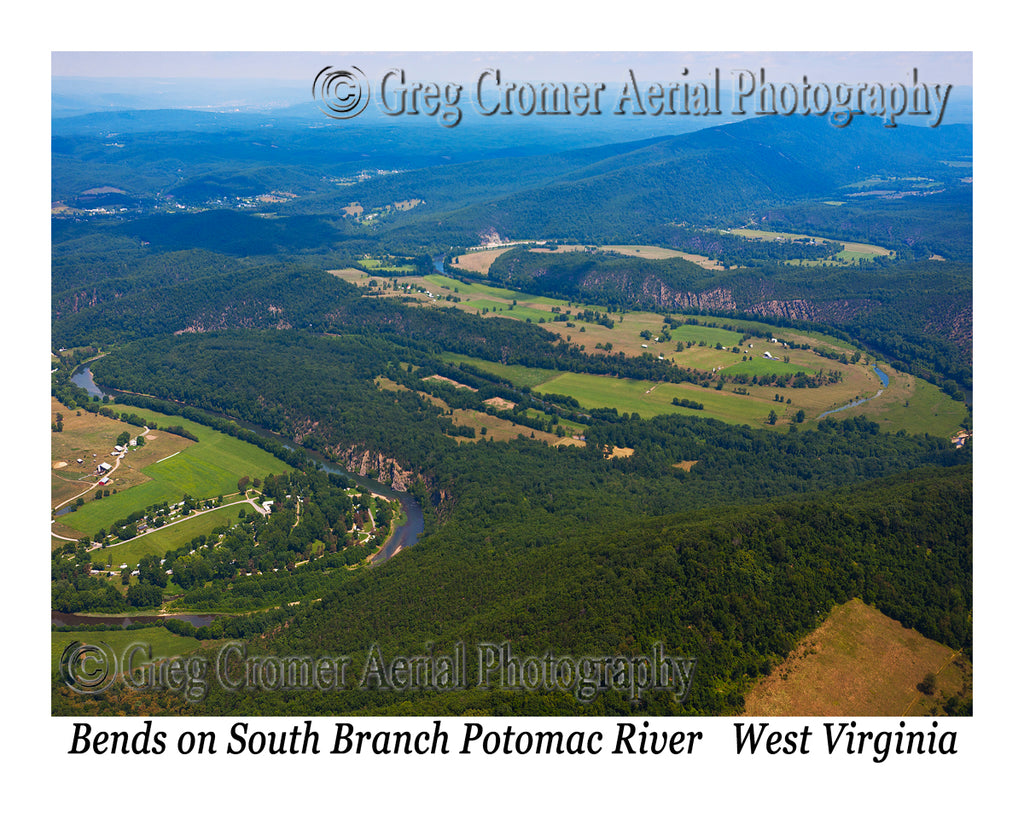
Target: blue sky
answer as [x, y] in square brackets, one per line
[850, 66]
[225, 80]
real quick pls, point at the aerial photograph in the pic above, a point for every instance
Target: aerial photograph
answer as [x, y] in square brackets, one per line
[512, 384]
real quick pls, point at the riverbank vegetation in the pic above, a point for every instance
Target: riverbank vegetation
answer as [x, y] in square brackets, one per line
[613, 448]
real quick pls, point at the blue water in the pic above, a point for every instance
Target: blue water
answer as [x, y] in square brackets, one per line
[885, 383]
[83, 378]
[404, 536]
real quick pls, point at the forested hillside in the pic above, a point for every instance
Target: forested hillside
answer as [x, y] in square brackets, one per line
[254, 271]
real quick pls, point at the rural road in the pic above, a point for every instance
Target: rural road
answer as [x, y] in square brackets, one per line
[250, 501]
[117, 463]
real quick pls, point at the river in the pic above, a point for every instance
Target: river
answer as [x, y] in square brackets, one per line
[885, 383]
[404, 536]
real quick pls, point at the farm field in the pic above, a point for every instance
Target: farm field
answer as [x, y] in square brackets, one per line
[851, 252]
[498, 429]
[625, 333]
[380, 266]
[640, 251]
[912, 405]
[203, 469]
[474, 297]
[90, 434]
[480, 261]
[164, 643]
[908, 403]
[514, 373]
[352, 275]
[859, 662]
[649, 398]
[172, 536]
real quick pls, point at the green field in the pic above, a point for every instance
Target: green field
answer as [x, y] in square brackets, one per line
[440, 282]
[709, 335]
[851, 252]
[171, 536]
[519, 311]
[648, 398]
[377, 266]
[163, 643]
[514, 373]
[912, 405]
[765, 366]
[500, 295]
[908, 403]
[206, 469]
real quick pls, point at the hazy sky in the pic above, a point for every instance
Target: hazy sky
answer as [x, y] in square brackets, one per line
[850, 67]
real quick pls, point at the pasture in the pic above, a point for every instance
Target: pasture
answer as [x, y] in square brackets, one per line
[497, 429]
[649, 398]
[479, 261]
[515, 374]
[388, 266]
[172, 536]
[640, 252]
[91, 437]
[859, 663]
[851, 252]
[164, 643]
[765, 366]
[910, 404]
[203, 469]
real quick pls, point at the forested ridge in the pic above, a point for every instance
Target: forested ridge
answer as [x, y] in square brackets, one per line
[722, 542]
[917, 313]
[734, 589]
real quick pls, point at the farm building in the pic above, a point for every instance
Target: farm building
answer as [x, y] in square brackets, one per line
[103, 467]
[767, 354]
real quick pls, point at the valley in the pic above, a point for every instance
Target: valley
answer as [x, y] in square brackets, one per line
[404, 389]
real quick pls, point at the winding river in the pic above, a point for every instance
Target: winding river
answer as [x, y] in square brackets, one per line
[404, 536]
[885, 383]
